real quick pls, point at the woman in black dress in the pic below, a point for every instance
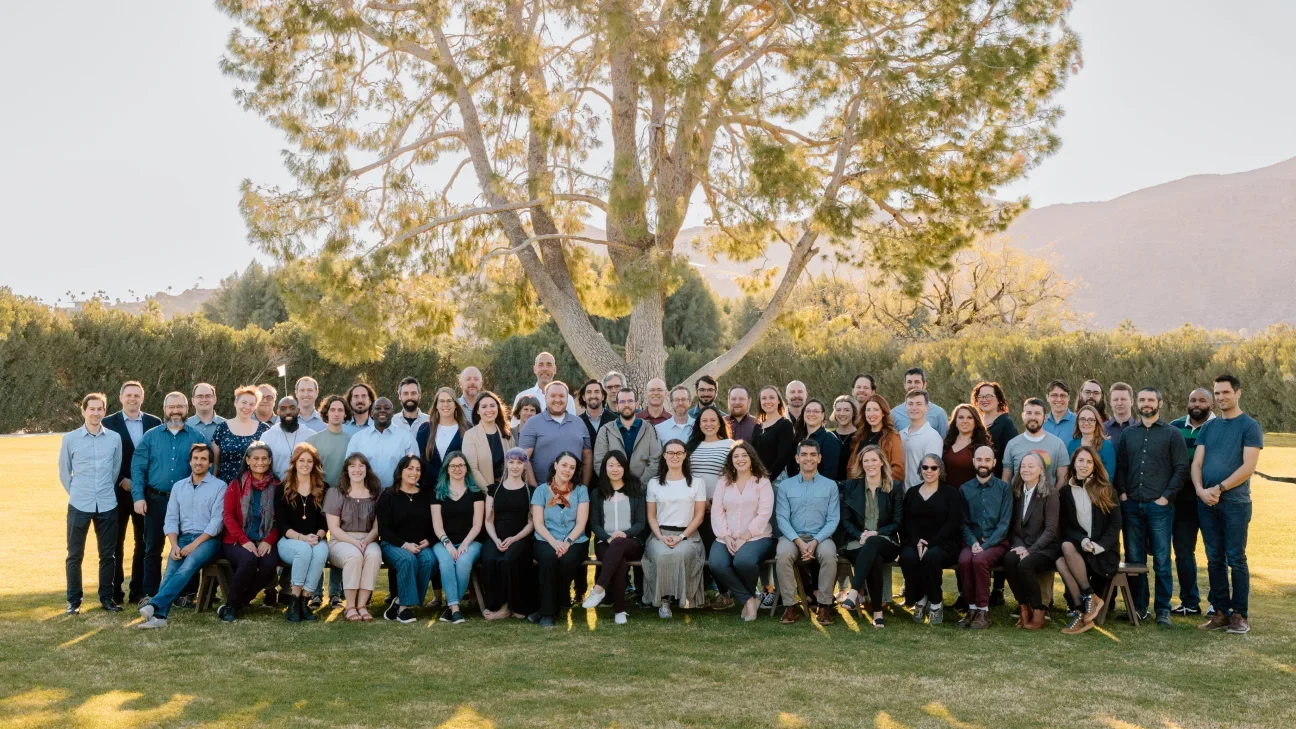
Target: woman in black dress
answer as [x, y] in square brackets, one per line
[506, 552]
[930, 525]
[1091, 528]
[773, 437]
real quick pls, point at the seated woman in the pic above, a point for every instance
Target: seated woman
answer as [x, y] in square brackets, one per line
[559, 513]
[404, 515]
[458, 509]
[506, 554]
[1091, 527]
[1032, 539]
[351, 509]
[871, 510]
[303, 530]
[250, 531]
[619, 520]
[932, 520]
[741, 513]
[673, 558]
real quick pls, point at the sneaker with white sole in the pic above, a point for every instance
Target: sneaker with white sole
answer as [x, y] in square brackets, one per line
[393, 611]
[593, 600]
[620, 618]
[146, 611]
[404, 615]
[664, 612]
[153, 622]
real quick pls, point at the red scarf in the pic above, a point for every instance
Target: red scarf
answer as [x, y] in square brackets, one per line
[560, 498]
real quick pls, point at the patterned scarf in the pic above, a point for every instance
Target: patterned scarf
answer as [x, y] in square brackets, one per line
[248, 483]
[560, 498]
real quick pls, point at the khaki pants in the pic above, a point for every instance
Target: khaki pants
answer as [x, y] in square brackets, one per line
[359, 571]
[786, 559]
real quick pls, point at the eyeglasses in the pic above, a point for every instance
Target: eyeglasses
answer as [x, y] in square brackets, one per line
[674, 454]
[930, 468]
[1091, 421]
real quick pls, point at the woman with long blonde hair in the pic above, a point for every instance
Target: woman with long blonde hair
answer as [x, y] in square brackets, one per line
[303, 530]
[871, 508]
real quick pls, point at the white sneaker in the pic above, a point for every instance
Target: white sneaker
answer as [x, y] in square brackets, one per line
[153, 623]
[620, 618]
[146, 611]
[664, 612]
[594, 599]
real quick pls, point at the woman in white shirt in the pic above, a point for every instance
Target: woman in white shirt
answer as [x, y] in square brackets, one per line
[674, 557]
[441, 434]
[740, 517]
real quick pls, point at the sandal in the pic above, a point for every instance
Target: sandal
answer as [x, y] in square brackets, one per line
[848, 603]
[365, 616]
[352, 615]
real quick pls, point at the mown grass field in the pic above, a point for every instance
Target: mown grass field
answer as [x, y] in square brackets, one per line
[700, 670]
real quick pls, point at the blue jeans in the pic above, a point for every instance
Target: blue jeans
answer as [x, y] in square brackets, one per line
[155, 541]
[737, 573]
[307, 562]
[180, 572]
[456, 574]
[1224, 534]
[413, 572]
[1148, 528]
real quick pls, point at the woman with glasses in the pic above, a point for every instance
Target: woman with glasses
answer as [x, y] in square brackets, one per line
[506, 553]
[1089, 432]
[458, 508]
[674, 557]
[932, 518]
[442, 434]
[990, 400]
[811, 427]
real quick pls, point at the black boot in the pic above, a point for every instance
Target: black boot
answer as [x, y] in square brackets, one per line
[303, 609]
[293, 613]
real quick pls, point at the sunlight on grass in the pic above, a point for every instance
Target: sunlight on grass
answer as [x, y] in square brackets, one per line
[942, 713]
[108, 710]
[79, 638]
[1270, 662]
[467, 718]
[884, 721]
[1114, 723]
[791, 721]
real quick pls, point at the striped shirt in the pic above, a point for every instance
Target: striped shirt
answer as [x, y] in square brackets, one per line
[707, 460]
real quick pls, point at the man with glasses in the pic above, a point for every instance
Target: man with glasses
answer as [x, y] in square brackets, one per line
[680, 426]
[204, 420]
[707, 389]
[1091, 393]
[1061, 419]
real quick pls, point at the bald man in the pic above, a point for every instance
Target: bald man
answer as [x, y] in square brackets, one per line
[470, 386]
[1183, 536]
[795, 394]
[655, 410]
[545, 369]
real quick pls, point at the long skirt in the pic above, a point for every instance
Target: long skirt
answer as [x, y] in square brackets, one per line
[674, 573]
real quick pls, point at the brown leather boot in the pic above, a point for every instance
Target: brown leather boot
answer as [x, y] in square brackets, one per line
[1023, 615]
[1036, 619]
[981, 620]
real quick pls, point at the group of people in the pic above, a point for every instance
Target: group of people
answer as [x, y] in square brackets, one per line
[669, 494]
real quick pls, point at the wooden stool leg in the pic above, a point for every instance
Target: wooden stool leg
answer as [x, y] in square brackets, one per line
[205, 588]
[1129, 602]
[802, 596]
[1109, 593]
[477, 592]
[225, 578]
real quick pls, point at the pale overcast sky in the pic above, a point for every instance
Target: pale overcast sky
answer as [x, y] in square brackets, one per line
[124, 148]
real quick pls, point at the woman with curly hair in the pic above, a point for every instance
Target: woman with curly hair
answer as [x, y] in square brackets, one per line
[303, 530]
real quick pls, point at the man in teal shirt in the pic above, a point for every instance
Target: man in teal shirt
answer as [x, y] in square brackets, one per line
[160, 460]
[807, 511]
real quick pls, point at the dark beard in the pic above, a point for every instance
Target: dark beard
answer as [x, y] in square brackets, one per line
[1198, 413]
[410, 406]
[288, 424]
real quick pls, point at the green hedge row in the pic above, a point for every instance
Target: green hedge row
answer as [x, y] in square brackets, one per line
[48, 360]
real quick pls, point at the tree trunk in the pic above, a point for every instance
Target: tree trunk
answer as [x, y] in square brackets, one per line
[645, 344]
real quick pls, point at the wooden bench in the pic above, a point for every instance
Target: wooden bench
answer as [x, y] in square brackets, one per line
[1120, 581]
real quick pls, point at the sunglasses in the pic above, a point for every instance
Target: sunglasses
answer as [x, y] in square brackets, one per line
[930, 468]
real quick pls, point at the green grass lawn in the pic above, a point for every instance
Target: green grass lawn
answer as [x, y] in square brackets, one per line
[702, 669]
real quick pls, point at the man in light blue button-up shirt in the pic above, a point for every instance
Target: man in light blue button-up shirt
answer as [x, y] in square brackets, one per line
[806, 510]
[383, 444]
[89, 460]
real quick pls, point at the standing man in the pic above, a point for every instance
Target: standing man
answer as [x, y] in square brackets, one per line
[204, 419]
[89, 463]
[409, 393]
[1091, 393]
[284, 436]
[1121, 396]
[161, 459]
[1050, 448]
[332, 442]
[740, 422]
[1186, 525]
[916, 379]
[592, 399]
[1227, 451]
[680, 425]
[307, 392]
[632, 436]
[383, 444]
[655, 411]
[796, 396]
[613, 381]
[862, 389]
[987, 512]
[554, 431]
[707, 389]
[265, 409]
[359, 398]
[806, 508]
[470, 386]
[919, 437]
[192, 521]
[131, 423]
[1151, 468]
[1061, 419]
[545, 369]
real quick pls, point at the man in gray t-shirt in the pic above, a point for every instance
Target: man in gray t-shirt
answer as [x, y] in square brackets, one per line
[1036, 440]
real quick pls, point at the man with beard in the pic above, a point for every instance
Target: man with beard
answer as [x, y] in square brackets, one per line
[1091, 393]
[130, 423]
[1121, 396]
[864, 387]
[1183, 540]
[592, 397]
[160, 460]
[796, 396]
[360, 397]
[739, 421]
[1050, 448]
[655, 411]
[205, 418]
[284, 436]
[409, 393]
[916, 379]
[265, 409]
[470, 386]
[306, 391]
[987, 512]
[707, 389]
[1151, 467]
[632, 436]
[383, 444]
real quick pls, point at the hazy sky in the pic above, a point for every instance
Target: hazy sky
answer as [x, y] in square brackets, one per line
[124, 147]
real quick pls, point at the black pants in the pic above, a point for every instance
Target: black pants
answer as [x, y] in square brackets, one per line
[154, 538]
[708, 538]
[1183, 539]
[78, 527]
[923, 576]
[614, 572]
[556, 574]
[871, 561]
[510, 576]
[126, 516]
[251, 573]
[1023, 573]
